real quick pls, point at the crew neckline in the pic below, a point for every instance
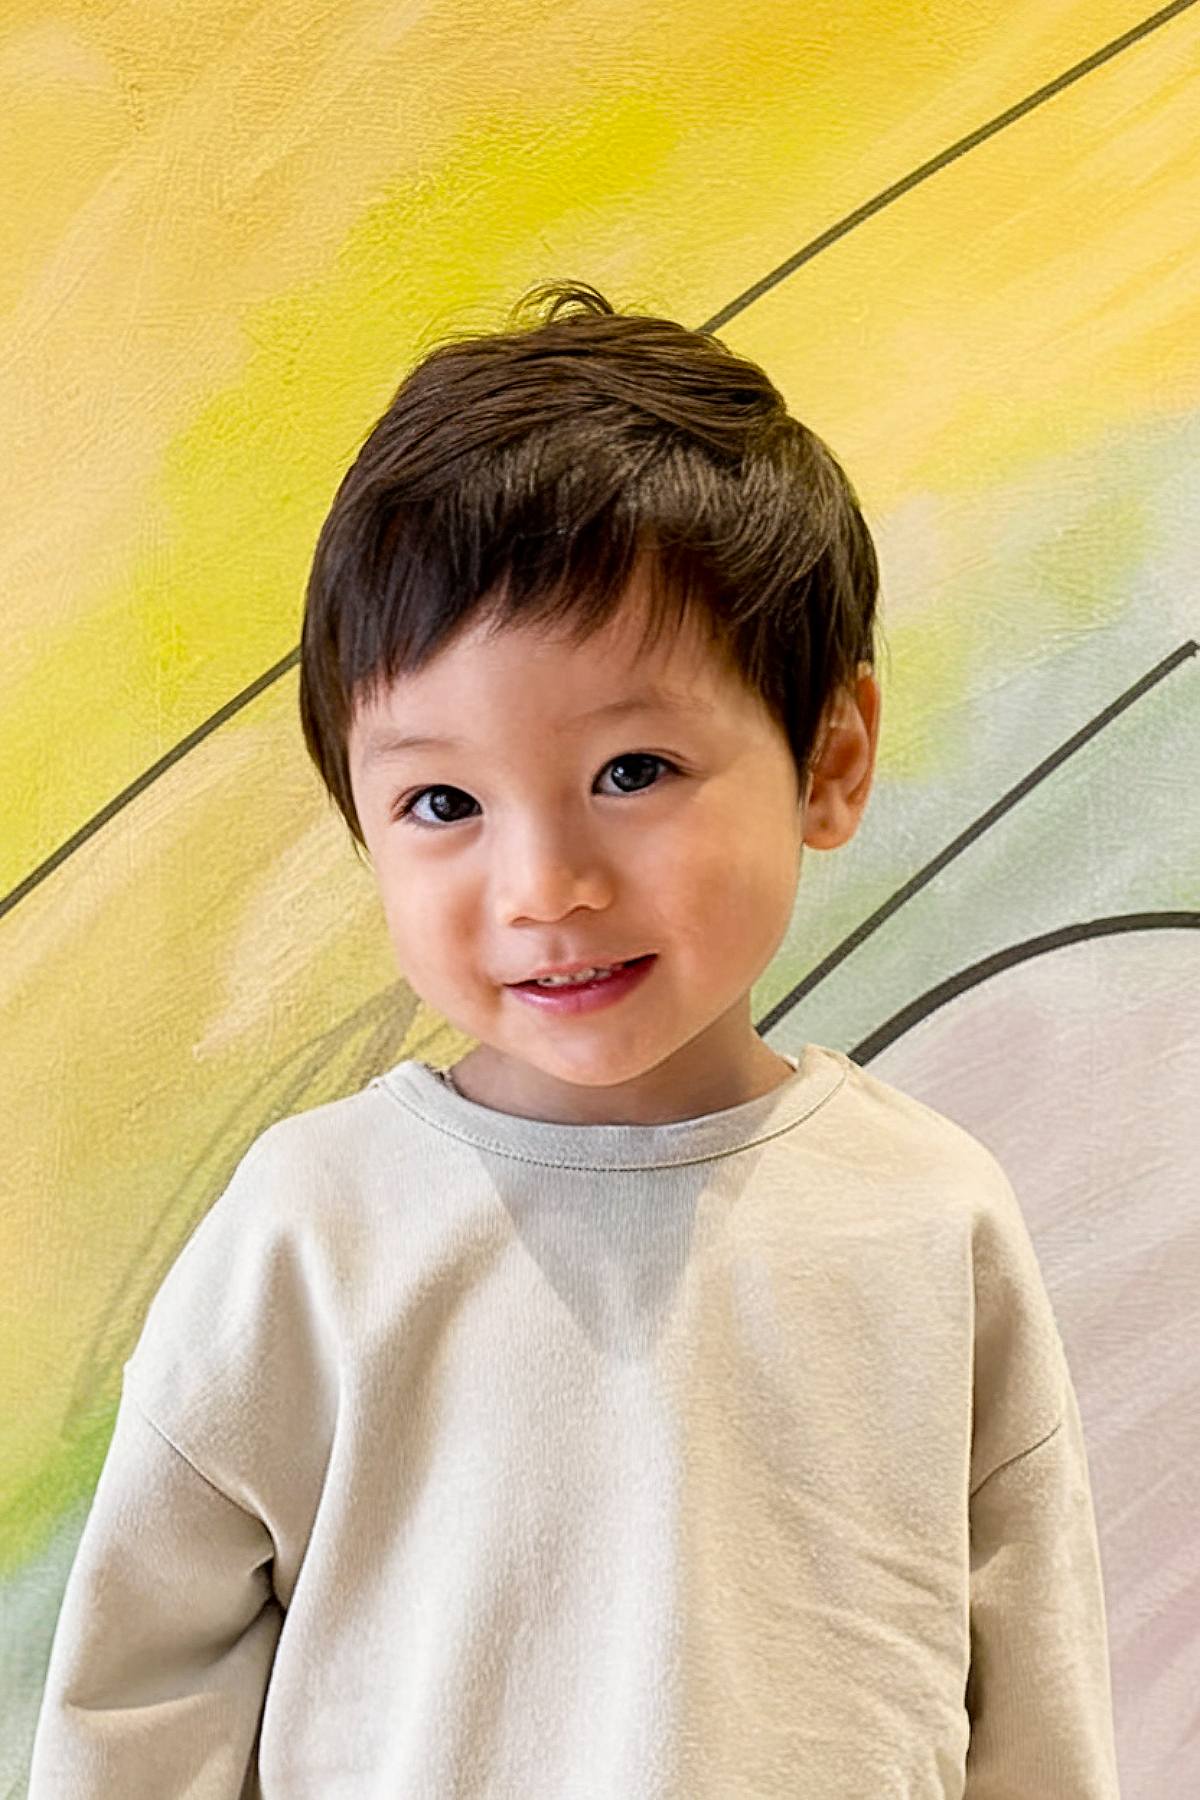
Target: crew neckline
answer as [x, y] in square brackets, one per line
[420, 1088]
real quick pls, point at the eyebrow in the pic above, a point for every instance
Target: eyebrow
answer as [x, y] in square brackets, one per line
[381, 746]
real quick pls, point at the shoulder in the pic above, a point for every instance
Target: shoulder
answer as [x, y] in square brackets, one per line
[916, 1160]
[898, 1139]
[253, 1307]
[923, 1149]
[1020, 1368]
[305, 1186]
[297, 1166]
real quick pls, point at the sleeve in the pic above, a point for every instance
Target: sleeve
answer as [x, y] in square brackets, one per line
[165, 1636]
[1038, 1692]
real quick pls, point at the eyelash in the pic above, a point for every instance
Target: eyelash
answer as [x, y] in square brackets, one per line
[403, 810]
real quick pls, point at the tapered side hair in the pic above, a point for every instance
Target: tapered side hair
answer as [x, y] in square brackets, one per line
[519, 476]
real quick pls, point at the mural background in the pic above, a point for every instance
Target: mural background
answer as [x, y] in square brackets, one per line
[965, 241]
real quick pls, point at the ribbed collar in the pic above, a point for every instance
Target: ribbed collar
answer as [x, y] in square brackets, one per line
[819, 1072]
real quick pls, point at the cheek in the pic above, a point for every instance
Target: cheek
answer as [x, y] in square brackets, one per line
[419, 918]
[732, 884]
[750, 911]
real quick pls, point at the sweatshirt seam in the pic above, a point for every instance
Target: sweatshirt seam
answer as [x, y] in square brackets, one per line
[498, 1148]
[184, 1457]
[1020, 1455]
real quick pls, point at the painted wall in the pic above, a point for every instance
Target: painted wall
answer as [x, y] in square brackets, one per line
[965, 240]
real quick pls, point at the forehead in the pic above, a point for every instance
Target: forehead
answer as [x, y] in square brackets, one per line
[379, 741]
[490, 677]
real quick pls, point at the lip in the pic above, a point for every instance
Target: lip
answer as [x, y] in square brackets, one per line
[590, 995]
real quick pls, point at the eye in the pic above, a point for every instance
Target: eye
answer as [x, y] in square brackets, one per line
[404, 807]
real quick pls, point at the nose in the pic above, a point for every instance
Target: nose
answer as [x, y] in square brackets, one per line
[549, 868]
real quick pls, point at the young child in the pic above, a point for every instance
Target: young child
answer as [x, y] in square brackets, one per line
[637, 1413]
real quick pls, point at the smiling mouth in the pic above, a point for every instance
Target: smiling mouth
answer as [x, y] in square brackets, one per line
[630, 962]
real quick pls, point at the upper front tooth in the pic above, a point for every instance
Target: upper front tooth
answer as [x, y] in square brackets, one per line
[579, 975]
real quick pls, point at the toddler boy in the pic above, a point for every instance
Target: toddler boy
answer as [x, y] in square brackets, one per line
[633, 1413]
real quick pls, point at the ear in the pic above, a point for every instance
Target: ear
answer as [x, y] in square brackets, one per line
[845, 766]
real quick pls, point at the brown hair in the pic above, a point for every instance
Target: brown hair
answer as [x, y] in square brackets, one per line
[519, 475]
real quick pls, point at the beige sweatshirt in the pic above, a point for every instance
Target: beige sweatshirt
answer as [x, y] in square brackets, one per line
[471, 1457]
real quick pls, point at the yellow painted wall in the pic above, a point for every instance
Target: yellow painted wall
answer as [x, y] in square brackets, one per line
[965, 241]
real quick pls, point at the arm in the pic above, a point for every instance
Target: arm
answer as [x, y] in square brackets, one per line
[165, 1638]
[1038, 1692]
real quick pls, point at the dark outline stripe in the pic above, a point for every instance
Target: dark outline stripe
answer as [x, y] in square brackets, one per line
[976, 973]
[146, 778]
[926, 169]
[975, 829]
[127, 794]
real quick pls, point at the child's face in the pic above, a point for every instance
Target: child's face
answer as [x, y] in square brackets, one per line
[535, 843]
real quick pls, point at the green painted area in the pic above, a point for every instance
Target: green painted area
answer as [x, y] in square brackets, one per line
[30, 1509]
